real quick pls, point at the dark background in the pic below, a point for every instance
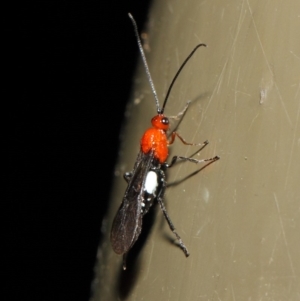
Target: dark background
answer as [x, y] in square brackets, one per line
[68, 70]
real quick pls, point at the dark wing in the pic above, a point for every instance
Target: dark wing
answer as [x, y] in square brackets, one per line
[127, 224]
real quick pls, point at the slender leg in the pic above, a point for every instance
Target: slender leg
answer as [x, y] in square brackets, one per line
[127, 176]
[182, 245]
[175, 134]
[176, 158]
[164, 210]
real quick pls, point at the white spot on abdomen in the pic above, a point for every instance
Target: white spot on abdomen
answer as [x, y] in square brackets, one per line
[151, 182]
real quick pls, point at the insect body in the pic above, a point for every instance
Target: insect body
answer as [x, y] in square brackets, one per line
[146, 182]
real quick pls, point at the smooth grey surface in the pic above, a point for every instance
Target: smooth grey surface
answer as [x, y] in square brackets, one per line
[240, 218]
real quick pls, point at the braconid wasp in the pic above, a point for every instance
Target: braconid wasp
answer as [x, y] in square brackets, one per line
[146, 182]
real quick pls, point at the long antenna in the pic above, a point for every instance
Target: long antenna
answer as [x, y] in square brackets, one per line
[145, 63]
[176, 75]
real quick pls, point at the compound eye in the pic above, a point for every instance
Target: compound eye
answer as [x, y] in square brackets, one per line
[165, 121]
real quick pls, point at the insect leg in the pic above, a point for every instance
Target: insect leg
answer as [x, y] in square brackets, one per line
[164, 210]
[174, 134]
[127, 176]
[176, 158]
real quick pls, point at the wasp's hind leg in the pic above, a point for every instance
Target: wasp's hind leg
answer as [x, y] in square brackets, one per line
[167, 217]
